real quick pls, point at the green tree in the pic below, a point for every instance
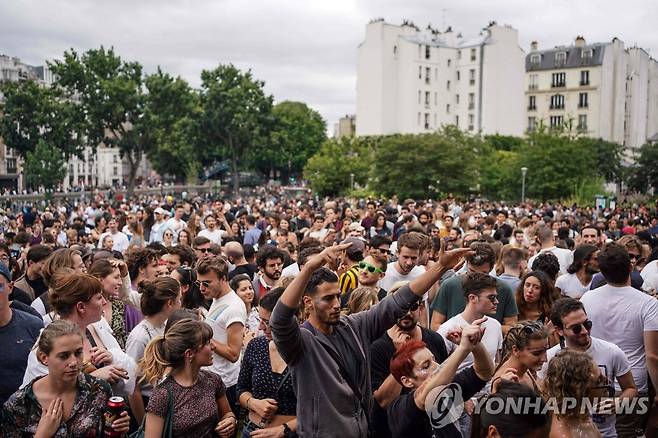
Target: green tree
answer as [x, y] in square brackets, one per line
[171, 111]
[500, 174]
[424, 165]
[644, 174]
[609, 157]
[235, 115]
[297, 133]
[31, 113]
[329, 169]
[45, 166]
[110, 93]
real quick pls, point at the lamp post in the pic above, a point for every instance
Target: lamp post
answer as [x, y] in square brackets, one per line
[524, 170]
[352, 181]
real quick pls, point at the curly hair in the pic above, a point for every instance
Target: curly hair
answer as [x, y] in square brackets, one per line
[138, 258]
[546, 295]
[569, 376]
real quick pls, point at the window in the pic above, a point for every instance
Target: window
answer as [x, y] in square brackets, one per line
[582, 100]
[419, 96]
[560, 58]
[556, 121]
[532, 103]
[427, 121]
[557, 101]
[11, 165]
[420, 72]
[558, 80]
[582, 122]
[436, 74]
[418, 119]
[584, 77]
[115, 159]
[435, 124]
[436, 98]
[471, 100]
[420, 50]
[115, 171]
[533, 83]
[447, 108]
[448, 85]
[532, 124]
[449, 62]
[395, 50]
[471, 76]
[428, 72]
[535, 59]
[472, 54]
[458, 75]
[457, 121]
[586, 54]
[427, 98]
[427, 52]
[457, 98]
[459, 54]
[471, 122]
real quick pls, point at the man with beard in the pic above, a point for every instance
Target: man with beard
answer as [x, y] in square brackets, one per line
[386, 388]
[406, 267]
[270, 264]
[571, 322]
[579, 274]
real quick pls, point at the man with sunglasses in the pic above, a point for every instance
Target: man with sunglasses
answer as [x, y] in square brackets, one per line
[571, 323]
[371, 271]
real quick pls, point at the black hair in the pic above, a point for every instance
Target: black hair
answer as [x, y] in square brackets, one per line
[322, 275]
[192, 299]
[271, 298]
[511, 423]
[378, 240]
[268, 252]
[563, 307]
[582, 254]
[38, 253]
[548, 263]
[614, 263]
[475, 282]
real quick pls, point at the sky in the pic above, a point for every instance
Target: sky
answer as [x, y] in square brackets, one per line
[303, 50]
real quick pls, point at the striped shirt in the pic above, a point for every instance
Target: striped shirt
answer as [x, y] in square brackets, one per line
[349, 280]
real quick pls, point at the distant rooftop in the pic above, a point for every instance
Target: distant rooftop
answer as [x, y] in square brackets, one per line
[574, 56]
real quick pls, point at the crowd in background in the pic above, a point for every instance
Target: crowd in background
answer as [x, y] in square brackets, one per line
[273, 317]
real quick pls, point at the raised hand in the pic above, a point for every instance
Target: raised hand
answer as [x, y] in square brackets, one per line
[329, 256]
[449, 259]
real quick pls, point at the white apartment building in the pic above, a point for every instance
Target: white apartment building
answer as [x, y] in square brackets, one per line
[602, 90]
[102, 168]
[413, 81]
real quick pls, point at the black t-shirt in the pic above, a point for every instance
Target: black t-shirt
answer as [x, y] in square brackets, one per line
[18, 294]
[406, 420]
[381, 352]
[38, 286]
[248, 269]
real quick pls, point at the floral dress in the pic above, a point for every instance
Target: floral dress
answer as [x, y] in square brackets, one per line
[22, 412]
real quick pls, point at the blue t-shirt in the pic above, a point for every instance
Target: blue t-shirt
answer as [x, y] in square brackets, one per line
[16, 341]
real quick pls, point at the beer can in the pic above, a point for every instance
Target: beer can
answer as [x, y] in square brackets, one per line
[115, 406]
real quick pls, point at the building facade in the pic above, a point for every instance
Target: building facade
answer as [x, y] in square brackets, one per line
[102, 167]
[413, 81]
[345, 127]
[601, 90]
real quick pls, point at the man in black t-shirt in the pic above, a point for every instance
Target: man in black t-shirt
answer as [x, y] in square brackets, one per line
[386, 388]
[432, 385]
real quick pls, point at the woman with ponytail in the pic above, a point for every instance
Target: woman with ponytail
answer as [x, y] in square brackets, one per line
[200, 406]
[159, 299]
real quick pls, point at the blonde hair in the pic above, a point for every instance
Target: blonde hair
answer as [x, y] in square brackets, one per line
[62, 258]
[55, 330]
[169, 350]
[362, 298]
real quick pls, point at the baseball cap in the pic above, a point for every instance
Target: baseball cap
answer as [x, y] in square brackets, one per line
[355, 226]
[358, 246]
[4, 270]
[159, 210]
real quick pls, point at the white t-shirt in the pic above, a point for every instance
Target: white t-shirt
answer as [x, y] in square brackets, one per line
[392, 276]
[564, 256]
[621, 315]
[224, 311]
[650, 276]
[492, 339]
[612, 362]
[136, 343]
[571, 286]
[214, 236]
[290, 271]
[120, 240]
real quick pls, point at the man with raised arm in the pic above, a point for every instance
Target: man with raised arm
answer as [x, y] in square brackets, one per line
[329, 355]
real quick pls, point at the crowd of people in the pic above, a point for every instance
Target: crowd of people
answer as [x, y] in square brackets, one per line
[273, 317]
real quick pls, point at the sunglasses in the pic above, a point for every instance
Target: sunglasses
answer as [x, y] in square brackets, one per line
[203, 250]
[368, 267]
[577, 328]
[416, 305]
[204, 283]
[493, 298]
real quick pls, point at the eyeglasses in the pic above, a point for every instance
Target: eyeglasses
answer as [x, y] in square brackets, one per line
[204, 283]
[370, 268]
[384, 251]
[493, 298]
[416, 305]
[169, 235]
[266, 322]
[203, 250]
[577, 328]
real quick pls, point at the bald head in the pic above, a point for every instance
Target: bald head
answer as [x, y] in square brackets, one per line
[234, 250]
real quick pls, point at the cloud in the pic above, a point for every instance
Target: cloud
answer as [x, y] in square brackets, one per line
[303, 50]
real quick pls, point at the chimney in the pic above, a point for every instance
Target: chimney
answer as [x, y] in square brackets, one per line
[580, 41]
[533, 46]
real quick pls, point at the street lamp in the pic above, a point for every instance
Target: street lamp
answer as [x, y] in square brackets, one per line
[524, 170]
[352, 181]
